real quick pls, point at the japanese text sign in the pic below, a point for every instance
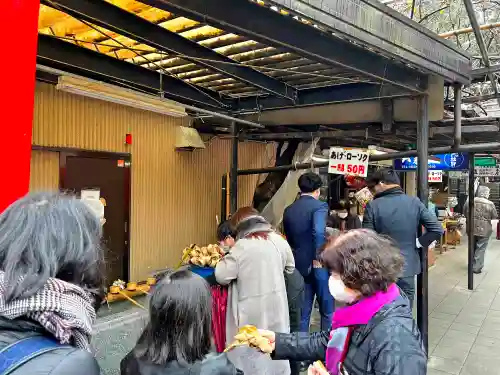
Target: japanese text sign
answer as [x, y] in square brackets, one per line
[348, 161]
[435, 176]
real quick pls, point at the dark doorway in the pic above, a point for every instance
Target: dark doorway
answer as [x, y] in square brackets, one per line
[110, 173]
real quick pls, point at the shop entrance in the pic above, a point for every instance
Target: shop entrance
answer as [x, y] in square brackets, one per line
[109, 174]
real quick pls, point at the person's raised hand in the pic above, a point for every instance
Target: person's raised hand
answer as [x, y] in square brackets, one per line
[316, 370]
[270, 335]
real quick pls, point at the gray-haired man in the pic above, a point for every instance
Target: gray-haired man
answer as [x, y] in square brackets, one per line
[484, 212]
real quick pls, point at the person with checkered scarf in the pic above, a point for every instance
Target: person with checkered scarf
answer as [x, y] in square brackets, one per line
[51, 282]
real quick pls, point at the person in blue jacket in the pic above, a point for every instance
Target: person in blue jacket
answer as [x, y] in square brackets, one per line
[304, 224]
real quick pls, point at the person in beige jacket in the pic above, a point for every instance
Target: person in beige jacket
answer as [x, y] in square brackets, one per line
[484, 212]
[254, 270]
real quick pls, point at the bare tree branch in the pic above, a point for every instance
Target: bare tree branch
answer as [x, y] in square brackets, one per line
[433, 13]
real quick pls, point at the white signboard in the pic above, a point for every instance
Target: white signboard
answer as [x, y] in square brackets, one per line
[90, 194]
[348, 161]
[435, 176]
[487, 171]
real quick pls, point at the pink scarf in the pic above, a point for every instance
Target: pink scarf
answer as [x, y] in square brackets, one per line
[346, 318]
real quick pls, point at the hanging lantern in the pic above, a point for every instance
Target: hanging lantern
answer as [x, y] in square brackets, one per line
[355, 182]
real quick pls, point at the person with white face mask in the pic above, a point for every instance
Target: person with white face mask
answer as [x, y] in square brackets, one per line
[373, 333]
[344, 219]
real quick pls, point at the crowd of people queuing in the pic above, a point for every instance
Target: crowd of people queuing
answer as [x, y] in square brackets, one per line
[361, 275]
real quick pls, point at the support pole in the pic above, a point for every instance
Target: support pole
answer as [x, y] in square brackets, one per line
[423, 195]
[17, 97]
[223, 206]
[470, 225]
[233, 175]
[457, 138]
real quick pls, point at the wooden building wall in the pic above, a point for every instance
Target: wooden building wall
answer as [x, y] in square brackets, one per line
[175, 195]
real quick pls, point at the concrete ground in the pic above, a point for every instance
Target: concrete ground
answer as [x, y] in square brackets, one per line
[464, 326]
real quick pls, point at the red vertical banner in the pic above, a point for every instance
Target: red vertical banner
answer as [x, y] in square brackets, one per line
[19, 22]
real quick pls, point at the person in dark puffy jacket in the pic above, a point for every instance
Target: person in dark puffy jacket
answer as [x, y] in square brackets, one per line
[395, 214]
[177, 339]
[374, 333]
[51, 282]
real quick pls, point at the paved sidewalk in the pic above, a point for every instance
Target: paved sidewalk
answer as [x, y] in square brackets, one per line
[464, 326]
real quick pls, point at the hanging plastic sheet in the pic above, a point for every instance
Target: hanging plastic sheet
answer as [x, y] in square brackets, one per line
[287, 193]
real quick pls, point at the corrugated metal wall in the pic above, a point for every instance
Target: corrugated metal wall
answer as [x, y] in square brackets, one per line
[44, 171]
[175, 195]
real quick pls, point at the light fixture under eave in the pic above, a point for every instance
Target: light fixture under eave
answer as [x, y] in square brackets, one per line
[119, 95]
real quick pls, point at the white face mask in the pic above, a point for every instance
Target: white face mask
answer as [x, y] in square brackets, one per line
[342, 215]
[339, 291]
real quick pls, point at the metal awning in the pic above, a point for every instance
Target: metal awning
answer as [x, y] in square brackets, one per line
[242, 56]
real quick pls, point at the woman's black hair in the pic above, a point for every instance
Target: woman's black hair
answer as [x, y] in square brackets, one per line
[365, 261]
[46, 235]
[180, 316]
[224, 230]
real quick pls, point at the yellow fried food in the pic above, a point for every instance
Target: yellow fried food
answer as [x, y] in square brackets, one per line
[249, 335]
[205, 256]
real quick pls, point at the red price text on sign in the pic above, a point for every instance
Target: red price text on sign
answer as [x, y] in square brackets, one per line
[435, 176]
[352, 162]
[349, 169]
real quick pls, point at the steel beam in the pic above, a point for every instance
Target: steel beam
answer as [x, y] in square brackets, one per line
[304, 135]
[364, 133]
[482, 72]
[249, 19]
[470, 129]
[476, 148]
[405, 40]
[469, 7]
[475, 99]
[66, 56]
[423, 195]
[125, 23]
[62, 58]
[352, 92]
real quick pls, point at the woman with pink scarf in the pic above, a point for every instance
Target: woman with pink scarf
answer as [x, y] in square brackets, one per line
[374, 333]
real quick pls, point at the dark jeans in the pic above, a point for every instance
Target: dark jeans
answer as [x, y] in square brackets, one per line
[316, 284]
[480, 245]
[407, 285]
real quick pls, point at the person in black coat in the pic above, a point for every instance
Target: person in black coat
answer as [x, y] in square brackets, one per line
[375, 332]
[344, 219]
[395, 214]
[177, 339]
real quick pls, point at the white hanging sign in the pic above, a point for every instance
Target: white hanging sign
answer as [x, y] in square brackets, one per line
[487, 171]
[348, 161]
[435, 176]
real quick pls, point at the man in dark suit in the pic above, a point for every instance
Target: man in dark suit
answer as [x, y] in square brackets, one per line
[304, 223]
[400, 217]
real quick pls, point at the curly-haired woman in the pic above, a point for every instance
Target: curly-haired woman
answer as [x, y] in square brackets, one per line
[374, 333]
